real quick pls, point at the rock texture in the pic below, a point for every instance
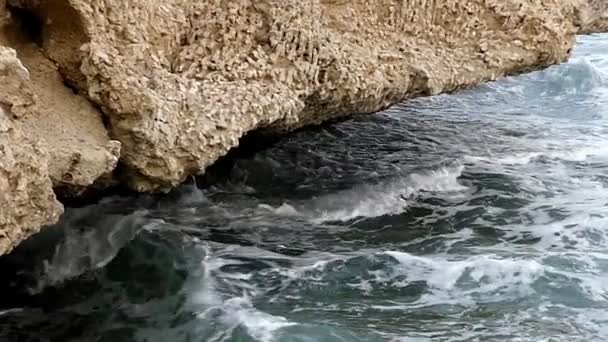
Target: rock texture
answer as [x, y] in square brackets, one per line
[27, 200]
[594, 16]
[49, 113]
[49, 136]
[179, 82]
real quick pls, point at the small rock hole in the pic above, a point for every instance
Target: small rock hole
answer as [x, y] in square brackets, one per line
[29, 23]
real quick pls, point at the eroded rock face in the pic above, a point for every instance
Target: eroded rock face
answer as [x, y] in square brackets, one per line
[181, 81]
[49, 136]
[66, 124]
[27, 201]
[594, 16]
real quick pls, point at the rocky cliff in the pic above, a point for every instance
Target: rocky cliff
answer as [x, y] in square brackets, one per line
[168, 87]
[593, 15]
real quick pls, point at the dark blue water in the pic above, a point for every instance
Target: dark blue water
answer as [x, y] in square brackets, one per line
[476, 216]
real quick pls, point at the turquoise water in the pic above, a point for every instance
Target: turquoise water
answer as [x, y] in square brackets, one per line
[475, 216]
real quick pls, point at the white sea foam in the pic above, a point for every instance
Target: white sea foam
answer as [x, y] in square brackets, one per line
[88, 248]
[284, 209]
[239, 311]
[489, 272]
[384, 199]
[10, 311]
[577, 154]
[372, 201]
[260, 325]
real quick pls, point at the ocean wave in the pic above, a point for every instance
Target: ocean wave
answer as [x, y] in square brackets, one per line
[384, 199]
[232, 311]
[84, 248]
[483, 274]
[579, 76]
[579, 154]
[368, 201]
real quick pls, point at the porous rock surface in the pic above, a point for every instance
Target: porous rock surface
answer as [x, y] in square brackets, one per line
[179, 82]
[594, 16]
[27, 200]
[49, 137]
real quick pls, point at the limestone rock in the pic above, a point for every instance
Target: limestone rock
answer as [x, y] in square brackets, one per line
[27, 200]
[49, 137]
[50, 113]
[181, 81]
[593, 16]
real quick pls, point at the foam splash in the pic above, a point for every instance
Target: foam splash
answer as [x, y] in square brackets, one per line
[10, 311]
[284, 209]
[373, 201]
[385, 199]
[232, 311]
[580, 154]
[261, 326]
[88, 248]
[488, 273]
